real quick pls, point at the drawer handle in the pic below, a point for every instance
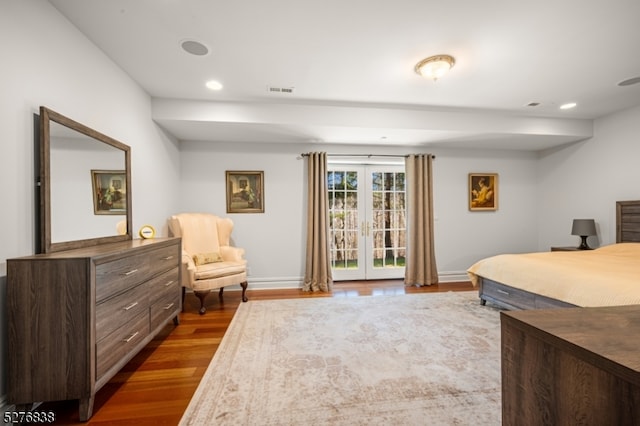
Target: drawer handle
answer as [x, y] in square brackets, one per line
[130, 306]
[167, 258]
[127, 340]
[169, 306]
[169, 283]
[130, 272]
[502, 292]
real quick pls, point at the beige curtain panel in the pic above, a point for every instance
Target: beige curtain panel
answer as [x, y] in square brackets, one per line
[317, 276]
[421, 261]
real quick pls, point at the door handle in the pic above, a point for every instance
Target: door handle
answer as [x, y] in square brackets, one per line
[365, 228]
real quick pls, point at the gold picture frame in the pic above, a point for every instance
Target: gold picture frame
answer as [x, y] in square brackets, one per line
[245, 191]
[109, 192]
[483, 191]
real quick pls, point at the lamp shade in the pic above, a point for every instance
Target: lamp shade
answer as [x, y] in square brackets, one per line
[583, 227]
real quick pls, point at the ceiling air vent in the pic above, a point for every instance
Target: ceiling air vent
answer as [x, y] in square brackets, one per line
[275, 89]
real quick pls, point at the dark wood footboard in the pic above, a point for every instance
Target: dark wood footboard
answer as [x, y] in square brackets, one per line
[513, 298]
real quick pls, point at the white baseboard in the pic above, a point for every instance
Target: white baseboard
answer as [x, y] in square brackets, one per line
[452, 277]
[275, 283]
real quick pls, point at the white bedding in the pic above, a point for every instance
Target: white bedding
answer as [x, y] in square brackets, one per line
[607, 276]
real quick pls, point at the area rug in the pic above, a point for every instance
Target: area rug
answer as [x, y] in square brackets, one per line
[416, 359]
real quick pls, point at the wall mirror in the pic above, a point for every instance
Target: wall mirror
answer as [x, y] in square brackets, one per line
[85, 185]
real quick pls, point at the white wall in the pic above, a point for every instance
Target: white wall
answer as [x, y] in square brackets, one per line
[463, 236]
[72, 212]
[585, 180]
[274, 241]
[46, 61]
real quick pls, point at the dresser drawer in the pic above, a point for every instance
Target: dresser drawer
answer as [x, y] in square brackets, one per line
[119, 343]
[119, 275]
[165, 258]
[511, 296]
[165, 309]
[167, 283]
[119, 310]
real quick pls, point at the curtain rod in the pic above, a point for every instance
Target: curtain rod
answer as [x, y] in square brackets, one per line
[366, 155]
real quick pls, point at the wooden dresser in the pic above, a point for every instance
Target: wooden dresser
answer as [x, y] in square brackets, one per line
[574, 366]
[76, 317]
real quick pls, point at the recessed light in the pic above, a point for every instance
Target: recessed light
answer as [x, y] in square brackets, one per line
[568, 105]
[214, 85]
[194, 47]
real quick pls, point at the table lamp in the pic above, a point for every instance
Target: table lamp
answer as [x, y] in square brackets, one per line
[584, 228]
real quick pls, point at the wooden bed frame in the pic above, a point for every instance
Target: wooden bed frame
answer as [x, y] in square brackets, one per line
[505, 296]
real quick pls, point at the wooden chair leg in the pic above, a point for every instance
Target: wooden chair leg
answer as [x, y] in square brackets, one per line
[184, 290]
[202, 295]
[220, 293]
[244, 291]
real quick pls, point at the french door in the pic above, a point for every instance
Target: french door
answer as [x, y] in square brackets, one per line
[367, 221]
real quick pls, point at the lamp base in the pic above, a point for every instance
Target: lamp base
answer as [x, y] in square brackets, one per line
[583, 245]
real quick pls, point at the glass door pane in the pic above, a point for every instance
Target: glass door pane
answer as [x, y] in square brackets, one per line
[387, 217]
[345, 218]
[367, 219]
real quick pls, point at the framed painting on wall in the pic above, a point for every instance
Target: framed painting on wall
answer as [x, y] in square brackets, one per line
[245, 191]
[483, 191]
[109, 191]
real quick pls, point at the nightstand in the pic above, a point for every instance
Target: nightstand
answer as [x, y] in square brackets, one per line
[566, 249]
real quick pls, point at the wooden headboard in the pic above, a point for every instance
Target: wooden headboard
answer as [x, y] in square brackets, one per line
[628, 222]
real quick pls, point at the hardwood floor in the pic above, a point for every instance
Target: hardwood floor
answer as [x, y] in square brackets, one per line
[156, 386]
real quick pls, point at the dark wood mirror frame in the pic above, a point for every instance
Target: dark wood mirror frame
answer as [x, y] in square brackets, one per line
[46, 245]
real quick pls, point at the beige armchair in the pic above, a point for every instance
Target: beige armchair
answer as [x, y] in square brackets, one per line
[209, 262]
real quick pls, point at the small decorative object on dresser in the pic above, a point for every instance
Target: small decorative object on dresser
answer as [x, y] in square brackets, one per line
[147, 231]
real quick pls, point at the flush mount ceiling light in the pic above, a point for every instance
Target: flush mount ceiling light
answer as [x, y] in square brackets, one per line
[434, 67]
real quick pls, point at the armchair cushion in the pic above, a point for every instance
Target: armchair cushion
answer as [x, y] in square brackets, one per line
[204, 258]
[219, 269]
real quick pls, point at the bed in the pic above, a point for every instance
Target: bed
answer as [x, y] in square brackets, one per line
[606, 276]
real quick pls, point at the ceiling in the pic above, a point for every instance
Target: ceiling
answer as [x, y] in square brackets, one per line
[350, 64]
